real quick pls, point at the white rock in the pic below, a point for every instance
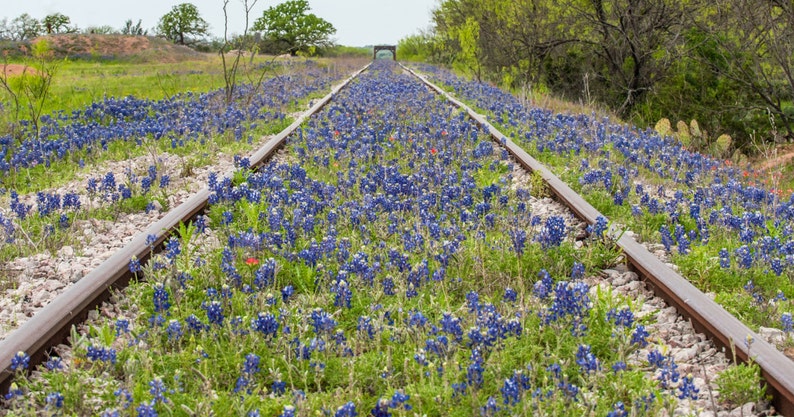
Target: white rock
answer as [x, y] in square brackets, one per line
[745, 410]
[66, 252]
[772, 335]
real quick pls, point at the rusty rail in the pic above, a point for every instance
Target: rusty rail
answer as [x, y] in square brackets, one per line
[52, 325]
[706, 315]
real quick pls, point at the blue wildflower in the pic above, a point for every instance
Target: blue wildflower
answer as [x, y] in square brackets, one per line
[20, 361]
[346, 410]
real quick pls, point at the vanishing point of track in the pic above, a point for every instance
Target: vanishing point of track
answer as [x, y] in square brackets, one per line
[52, 325]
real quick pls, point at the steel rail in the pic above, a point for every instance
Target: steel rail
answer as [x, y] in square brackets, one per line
[705, 314]
[52, 324]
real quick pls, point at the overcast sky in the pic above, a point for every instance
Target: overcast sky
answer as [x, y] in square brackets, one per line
[357, 22]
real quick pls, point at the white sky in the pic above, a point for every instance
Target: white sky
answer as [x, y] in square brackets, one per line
[357, 22]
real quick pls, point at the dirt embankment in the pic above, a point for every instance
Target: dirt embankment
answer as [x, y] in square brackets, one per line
[111, 47]
[10, 70]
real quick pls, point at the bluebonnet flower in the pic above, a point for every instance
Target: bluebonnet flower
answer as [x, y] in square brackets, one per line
[777, 266]
[146, 410]
[578, 271]
[214, 312]
[622, 318]
[108, 181]
[54, 363]
[668, 374]
[570, 299]
[158, 390]
[598, 228]
[160, 298]
[286, 293]
[366, 326]
[278, 387]
[543, 287]
[510, 295]
[421, 358]
[618, 410]
[172, 248]
[725, 258]
[227, 218]
[20, 361]
[54, 399]
[322, 322]
[174, 330]
[553, 232]
[194, 324]
[251, 364]
[265, 323]
[346, 410]
[667, 239]
[416, 319]
[687, 388]
[744, 257]
[490, 408]
[151, 240]
[473, 301]
[342, 294]
[474, 372]
[619, 366]
[289, 411]
[135, 265]
[519, 239]
[146, 184]
[586, 359]
[514, 387]
[125, 192]
[786, 322]
[201, 222]
[639, 336]
[451, 325]
[101, 354]
[265, 274]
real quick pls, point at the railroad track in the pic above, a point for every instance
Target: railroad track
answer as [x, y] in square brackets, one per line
[52, 325]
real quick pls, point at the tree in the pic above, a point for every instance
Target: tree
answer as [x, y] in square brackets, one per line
[231, 66]
[135, 30]
[57, 23]
[5, 29]
[100, 30]
[183, 23]
[288, 27]
[755, 49]
[31, 89]
[24, 27]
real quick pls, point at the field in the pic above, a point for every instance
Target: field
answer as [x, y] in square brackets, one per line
[390, 260]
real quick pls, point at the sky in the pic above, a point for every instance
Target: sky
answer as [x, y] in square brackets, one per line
[357, 22]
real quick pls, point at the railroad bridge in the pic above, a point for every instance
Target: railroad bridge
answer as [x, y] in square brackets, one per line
[378, 48]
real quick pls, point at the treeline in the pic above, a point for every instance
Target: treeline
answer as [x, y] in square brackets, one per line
[728, 64]
[286, 28]
[26, 27]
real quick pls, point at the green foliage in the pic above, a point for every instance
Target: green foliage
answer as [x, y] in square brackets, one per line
[182, 24]
[337, 51]
[289, 28]
[135, 30]
[727, 67]
[741, 384]
[30, 91]
[57, 23]
[24, 27]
